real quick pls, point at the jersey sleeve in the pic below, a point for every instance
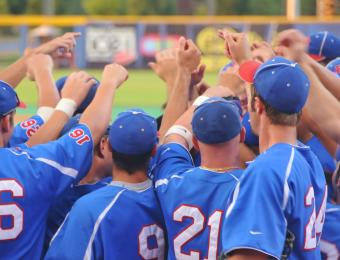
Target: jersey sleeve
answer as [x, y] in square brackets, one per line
[60, 163]
[24, 130]
[171, 159]
[254, 218]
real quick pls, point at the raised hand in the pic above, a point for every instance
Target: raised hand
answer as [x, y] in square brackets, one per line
[236, 46]
[77, 86]
[188, 55]
[166, 65]
[114, 75]
[38, 63]
[59, 47]
[292, 37]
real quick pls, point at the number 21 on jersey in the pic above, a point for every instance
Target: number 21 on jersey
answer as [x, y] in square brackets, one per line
[194, 229]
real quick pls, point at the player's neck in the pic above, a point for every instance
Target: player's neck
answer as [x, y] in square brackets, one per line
[123, 176]
[273, 134]
[222, 157]
[95, 173]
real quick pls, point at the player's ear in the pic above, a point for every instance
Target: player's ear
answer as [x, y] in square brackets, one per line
[259, 106]
[5, 124]
[195, 143]
[242, 135]
[154, 150]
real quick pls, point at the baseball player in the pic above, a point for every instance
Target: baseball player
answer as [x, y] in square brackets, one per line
[330, 239]
[193, 198]
[122, 220]
[31, 178]
[284, 188]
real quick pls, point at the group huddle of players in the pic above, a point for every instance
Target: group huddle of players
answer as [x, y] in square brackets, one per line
[246, 169]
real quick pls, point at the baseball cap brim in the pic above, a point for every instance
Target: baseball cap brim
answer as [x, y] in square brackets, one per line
[316, 57]
[248, 69]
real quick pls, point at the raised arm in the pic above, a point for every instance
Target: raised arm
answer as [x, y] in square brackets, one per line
[98, 114]
[74, 92]
[39, 69]
[58, 47]
[188, 59]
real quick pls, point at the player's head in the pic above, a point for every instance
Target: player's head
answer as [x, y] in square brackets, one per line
[9, 101]
[324, 46]
[217, 122]
[92, 92]
[280, 90]
[334, 66]
[133, 139]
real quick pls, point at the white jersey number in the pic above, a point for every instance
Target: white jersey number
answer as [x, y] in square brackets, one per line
[314, 226]
[11, 210]
[330, 250]
[195, 228]
[144, 250]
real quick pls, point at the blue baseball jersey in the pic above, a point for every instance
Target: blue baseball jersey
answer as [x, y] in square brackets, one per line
[326, 159]
[114, 222]
[30, 179]
[330, 238]
[24, 130]
[284, 188]
[193, 201]
[63, 204]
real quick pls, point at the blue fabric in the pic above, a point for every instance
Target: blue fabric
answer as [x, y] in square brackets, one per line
[216, 121]
[282, 84]
[63, 204]
[8, 98]
[125, 214]
[324, 44]
[24, 130]
[251, 139]
[42, 173]
[186, 192]
[330, 238]
[133, 132]
[334, 66]
[271, 198]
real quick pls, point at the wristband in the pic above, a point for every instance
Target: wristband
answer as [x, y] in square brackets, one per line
[45, 112]
[200, 100]
[182, 131]
[68, 106]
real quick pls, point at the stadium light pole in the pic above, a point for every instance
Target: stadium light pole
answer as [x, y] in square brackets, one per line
[293, 9]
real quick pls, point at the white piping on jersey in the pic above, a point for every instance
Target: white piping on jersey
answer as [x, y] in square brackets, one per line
[64, 170]
[235, 195]
[88, 252]
[323, 42]
[332, 210]
[248, 247]
[166, 181]
[286, 187]
[62, 224]
[21, 153]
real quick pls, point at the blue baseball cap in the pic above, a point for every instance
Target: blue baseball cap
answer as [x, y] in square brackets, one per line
[280, 82]
[324, 45]
[334, 66]
[9, 100]
[133, 132]
[90, 95]
[216, 121]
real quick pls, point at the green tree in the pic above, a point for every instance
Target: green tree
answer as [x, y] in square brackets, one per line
[104, 7]
[17, 6]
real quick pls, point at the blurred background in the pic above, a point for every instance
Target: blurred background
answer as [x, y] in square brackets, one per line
[130, 32]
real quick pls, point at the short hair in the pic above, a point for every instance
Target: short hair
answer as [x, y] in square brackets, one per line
[131, 163]
[276, 117]
[11, 117]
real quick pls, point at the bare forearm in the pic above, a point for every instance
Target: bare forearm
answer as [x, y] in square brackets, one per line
[98, 114]
[14, 73]
[47, 91]
[50, 130]
[327, 78]
[177, 103]
[322, 106]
